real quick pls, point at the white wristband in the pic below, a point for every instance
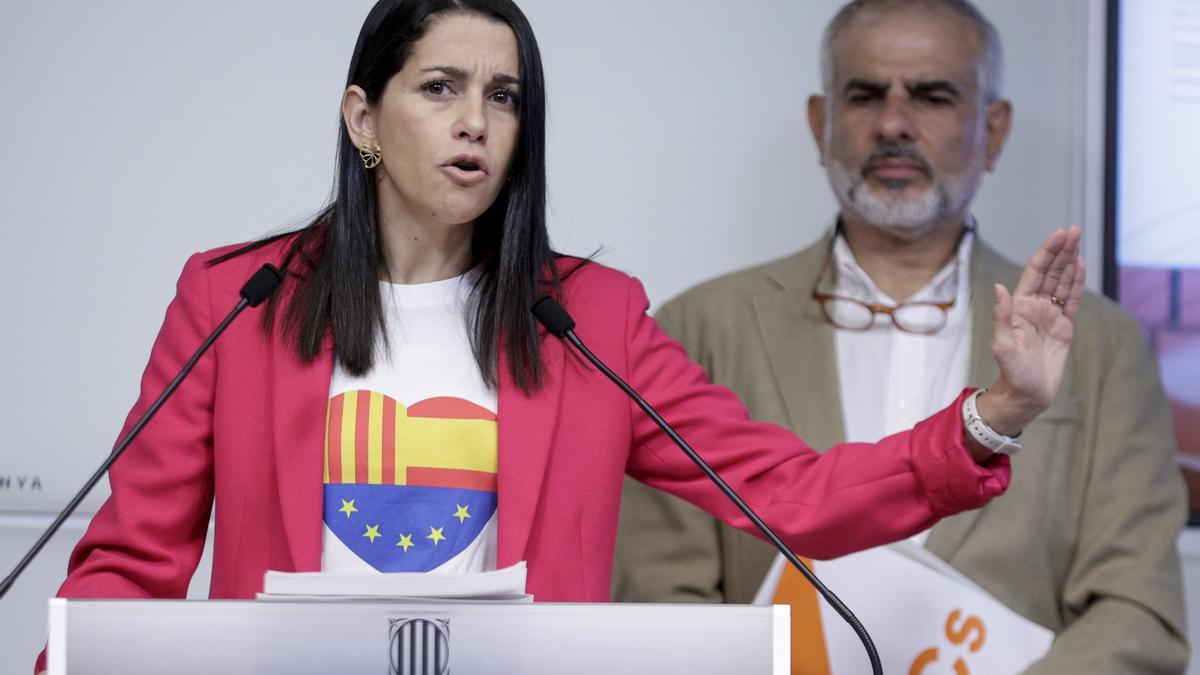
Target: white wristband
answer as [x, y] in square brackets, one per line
[981, 432]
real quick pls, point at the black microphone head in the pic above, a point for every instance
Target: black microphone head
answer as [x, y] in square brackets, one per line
[262, 285]
[553, 316]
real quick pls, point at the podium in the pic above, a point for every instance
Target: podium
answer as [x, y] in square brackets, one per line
[417, 638]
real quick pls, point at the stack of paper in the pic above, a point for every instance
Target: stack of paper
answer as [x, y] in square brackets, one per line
[503, 585]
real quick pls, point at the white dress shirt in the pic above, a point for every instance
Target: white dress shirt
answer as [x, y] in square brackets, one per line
[890, 379]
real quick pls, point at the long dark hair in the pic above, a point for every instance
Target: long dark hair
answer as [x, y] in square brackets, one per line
[333, 261]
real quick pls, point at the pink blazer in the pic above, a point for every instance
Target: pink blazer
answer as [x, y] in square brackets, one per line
[245, 434]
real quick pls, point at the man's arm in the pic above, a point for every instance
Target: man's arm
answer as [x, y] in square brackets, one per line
[667, 550]
[1122, 599]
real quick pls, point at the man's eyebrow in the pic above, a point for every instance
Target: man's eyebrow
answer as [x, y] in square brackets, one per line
[934, 87]
[867, 85]
[460, 74]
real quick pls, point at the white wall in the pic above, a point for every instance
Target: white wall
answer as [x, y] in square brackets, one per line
[135, 132]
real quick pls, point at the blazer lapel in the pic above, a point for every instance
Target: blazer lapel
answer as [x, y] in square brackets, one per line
[986, 269]
[800, 348]
[525, 428]
[300, 397]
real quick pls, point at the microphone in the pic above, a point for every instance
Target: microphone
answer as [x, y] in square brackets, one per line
[559, 323]
[254, 292]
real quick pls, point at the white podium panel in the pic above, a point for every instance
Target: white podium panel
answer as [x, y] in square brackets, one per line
[203, 637]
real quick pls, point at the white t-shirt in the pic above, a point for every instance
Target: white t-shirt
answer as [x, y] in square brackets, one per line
[410, 451]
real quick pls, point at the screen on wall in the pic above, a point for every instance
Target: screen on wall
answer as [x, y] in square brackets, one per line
[1154, 195]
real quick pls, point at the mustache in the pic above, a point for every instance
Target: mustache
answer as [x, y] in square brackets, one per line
[897, 152]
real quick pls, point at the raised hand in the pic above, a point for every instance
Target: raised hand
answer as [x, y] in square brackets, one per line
[1031, 333]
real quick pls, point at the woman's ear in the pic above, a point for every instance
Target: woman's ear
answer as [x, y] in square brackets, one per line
[356, 113]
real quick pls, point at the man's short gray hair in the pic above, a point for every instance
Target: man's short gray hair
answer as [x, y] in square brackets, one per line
[988, 67]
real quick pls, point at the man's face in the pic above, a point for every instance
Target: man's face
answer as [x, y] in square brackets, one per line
[904, 133]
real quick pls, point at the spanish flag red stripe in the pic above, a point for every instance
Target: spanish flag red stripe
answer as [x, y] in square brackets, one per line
[452, 478]
[449, 408]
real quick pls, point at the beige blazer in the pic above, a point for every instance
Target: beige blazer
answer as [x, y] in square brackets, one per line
[1083, 542]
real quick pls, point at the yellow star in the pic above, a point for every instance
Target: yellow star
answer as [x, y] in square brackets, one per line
[347, 507]
[461, 514]
[372, 533]
[406, 542]
[435, 533]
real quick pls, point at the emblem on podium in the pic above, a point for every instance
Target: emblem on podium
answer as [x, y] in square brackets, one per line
[419, 646]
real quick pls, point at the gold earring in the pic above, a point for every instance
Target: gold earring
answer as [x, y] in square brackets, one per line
[371, 155]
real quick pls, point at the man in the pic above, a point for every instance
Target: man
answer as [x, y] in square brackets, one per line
[1084, 541]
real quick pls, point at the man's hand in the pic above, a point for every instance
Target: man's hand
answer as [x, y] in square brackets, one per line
[1031, 334]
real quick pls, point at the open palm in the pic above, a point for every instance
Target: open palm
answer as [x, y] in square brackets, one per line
[1032, 328]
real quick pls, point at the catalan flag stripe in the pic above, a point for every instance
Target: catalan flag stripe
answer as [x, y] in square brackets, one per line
[375, 440]
[362, 435]
[349, 408]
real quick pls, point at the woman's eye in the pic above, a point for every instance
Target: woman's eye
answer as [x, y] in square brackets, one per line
[437, 87]
[505, 97]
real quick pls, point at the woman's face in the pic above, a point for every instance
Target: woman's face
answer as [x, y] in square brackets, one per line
[447, 123]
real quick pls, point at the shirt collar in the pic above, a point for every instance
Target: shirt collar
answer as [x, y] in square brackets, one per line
[852, 281]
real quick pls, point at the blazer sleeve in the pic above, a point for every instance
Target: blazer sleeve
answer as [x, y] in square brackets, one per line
[853, 497]
[147, 538]
[1122, 599]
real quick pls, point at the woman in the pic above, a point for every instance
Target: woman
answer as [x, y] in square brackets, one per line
[400, 393]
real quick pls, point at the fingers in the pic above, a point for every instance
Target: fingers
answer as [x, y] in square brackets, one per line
[1066, 280]
[1063, 264]
[1052, 269]
[1035, 271]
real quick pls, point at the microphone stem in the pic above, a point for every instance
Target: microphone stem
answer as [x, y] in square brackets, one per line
[120, 448]
[830, 597]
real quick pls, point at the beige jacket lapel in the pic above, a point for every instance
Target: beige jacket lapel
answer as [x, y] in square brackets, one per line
[800, 348]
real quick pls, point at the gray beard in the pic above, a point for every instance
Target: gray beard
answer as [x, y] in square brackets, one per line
[908, 219]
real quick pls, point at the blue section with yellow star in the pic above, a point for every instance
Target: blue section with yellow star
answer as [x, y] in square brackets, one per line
[416, 529]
